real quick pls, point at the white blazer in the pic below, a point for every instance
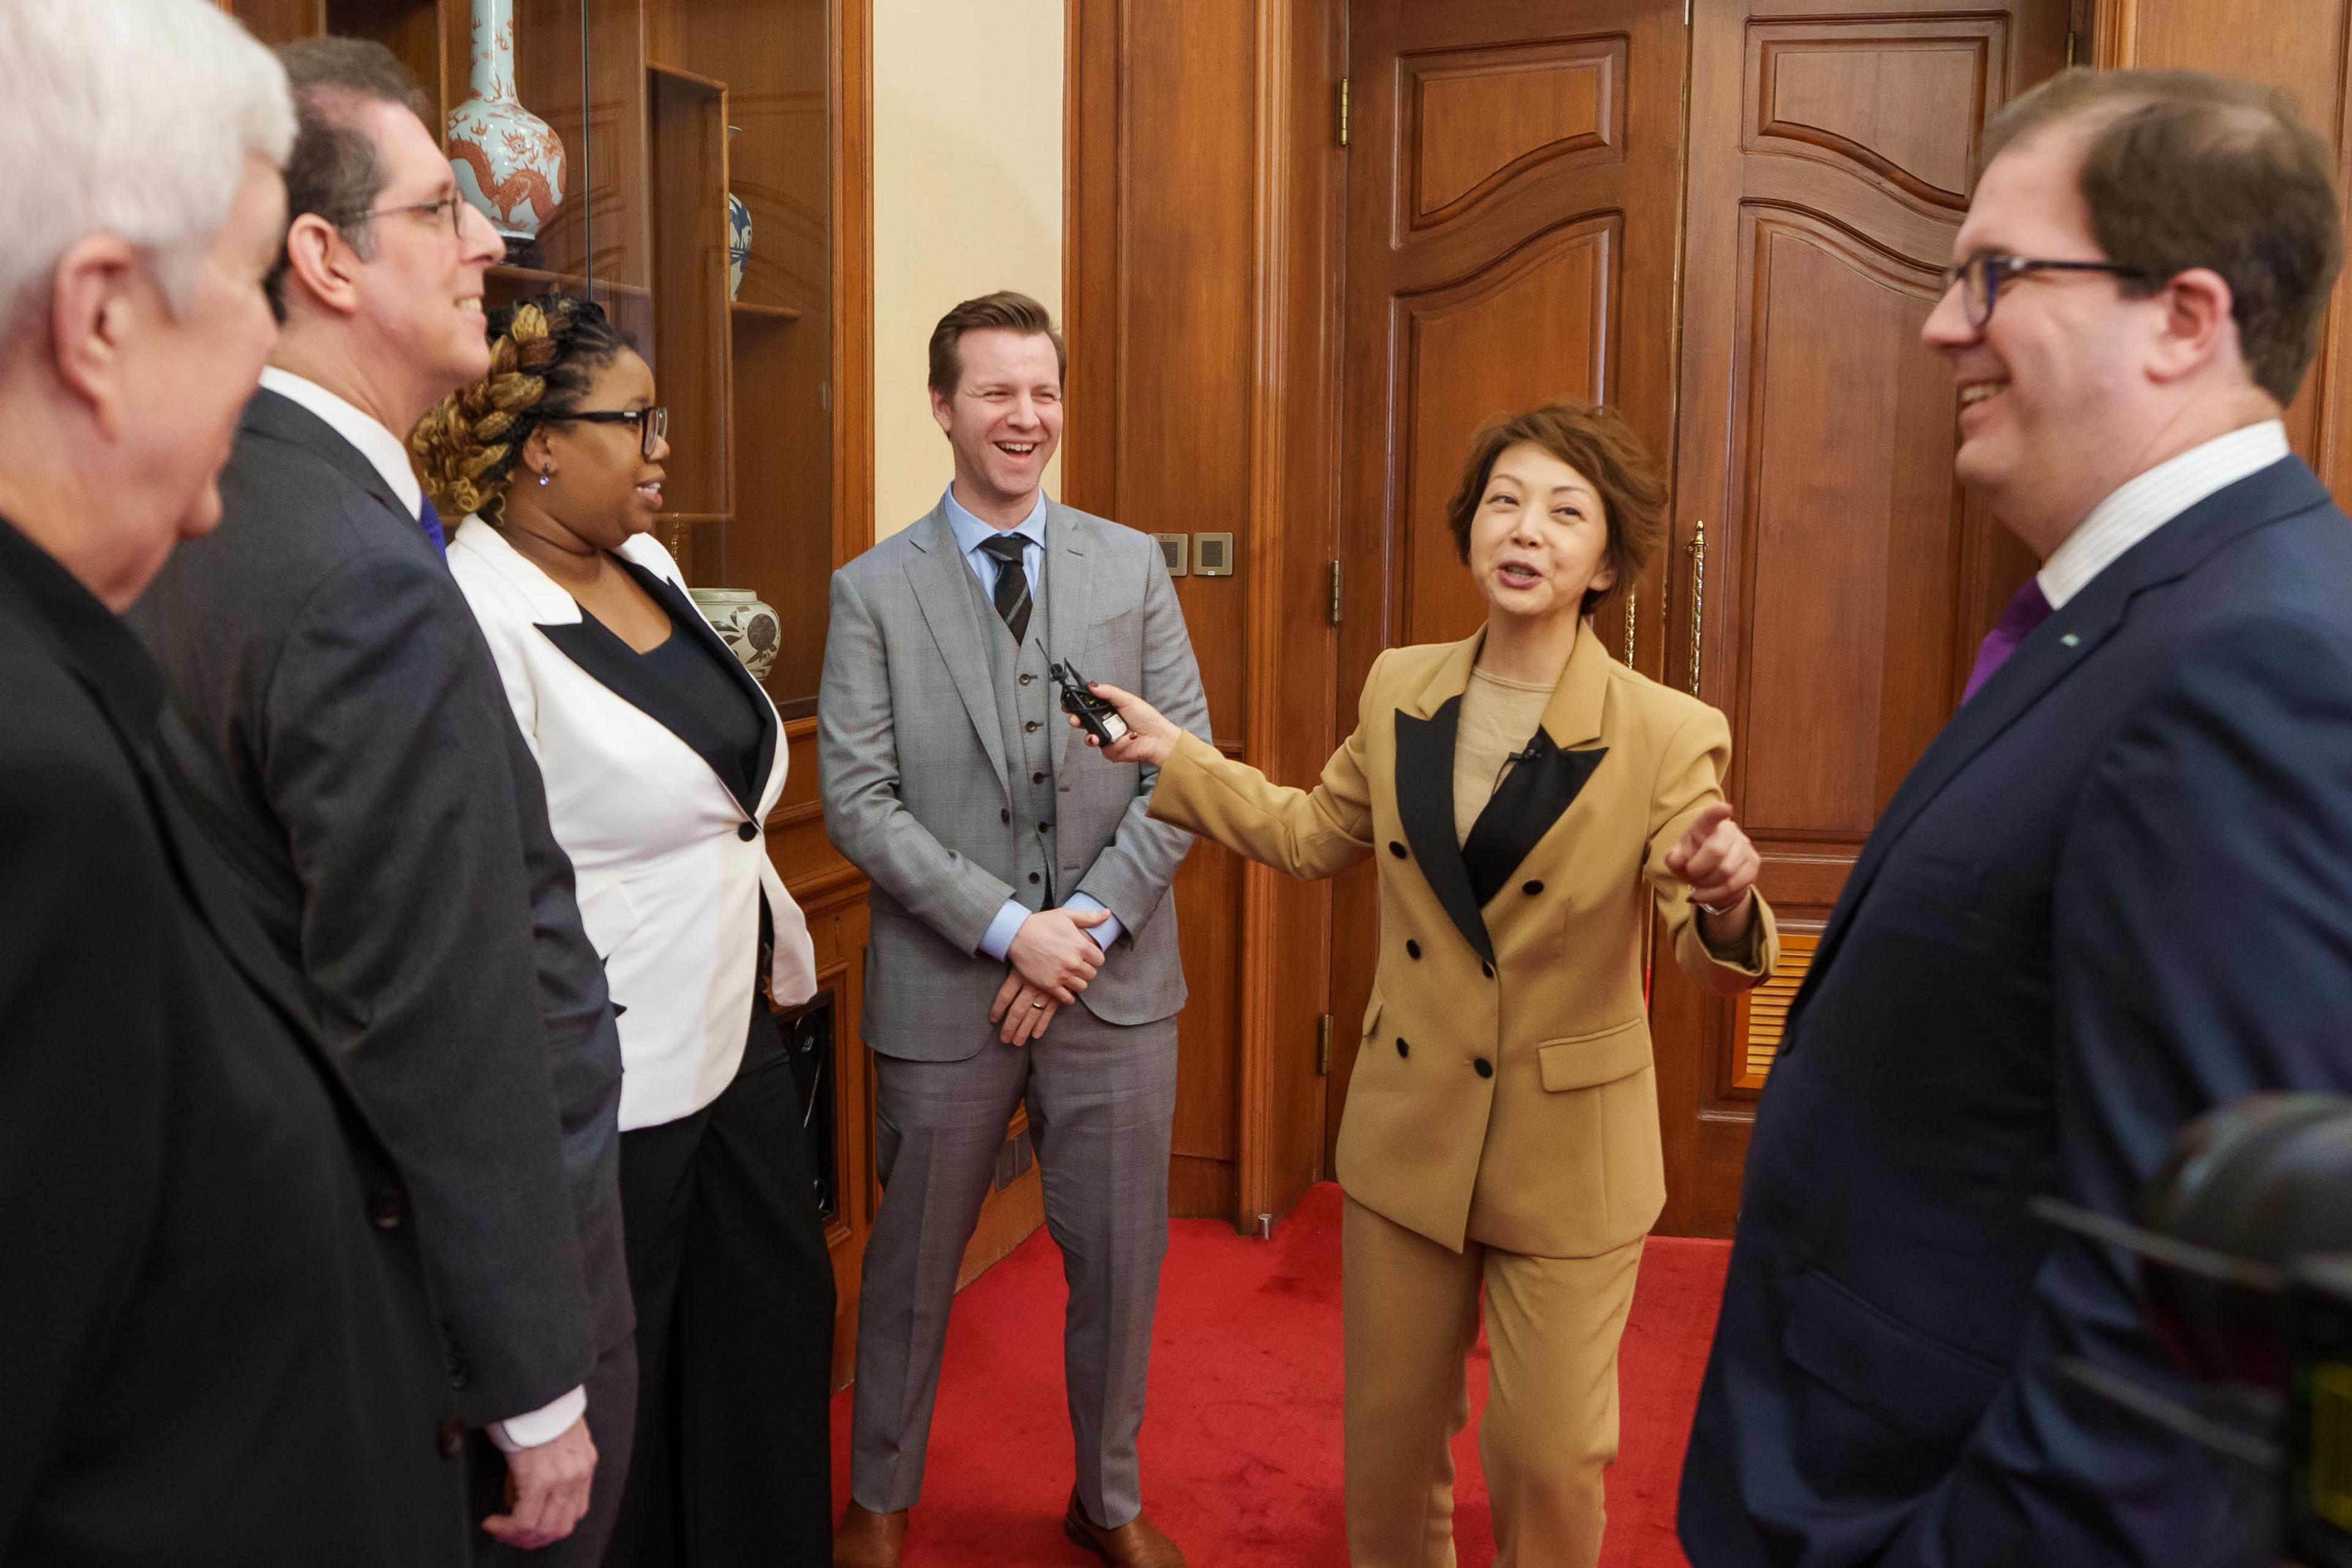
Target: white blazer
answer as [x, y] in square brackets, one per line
[670, 868]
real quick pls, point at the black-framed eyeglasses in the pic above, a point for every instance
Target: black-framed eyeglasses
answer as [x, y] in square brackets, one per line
[1980, 277]
[453, 204]
[653, 424]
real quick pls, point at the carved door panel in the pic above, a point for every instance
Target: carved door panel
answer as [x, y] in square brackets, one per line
[1513, 194]
[1830, 580]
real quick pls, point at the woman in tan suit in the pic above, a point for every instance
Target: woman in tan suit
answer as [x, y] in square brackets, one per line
[1528, 799]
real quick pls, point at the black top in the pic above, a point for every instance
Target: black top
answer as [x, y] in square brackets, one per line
[221, 1346]
[693, 671]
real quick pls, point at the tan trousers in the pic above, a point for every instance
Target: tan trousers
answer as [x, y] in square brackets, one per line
[1551, 1428]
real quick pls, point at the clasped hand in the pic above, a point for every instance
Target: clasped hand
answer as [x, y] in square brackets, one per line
[1052, 959]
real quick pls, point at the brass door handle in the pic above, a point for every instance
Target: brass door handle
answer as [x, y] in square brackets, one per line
[1698, 548]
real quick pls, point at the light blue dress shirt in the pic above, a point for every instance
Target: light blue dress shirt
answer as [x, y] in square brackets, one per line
[970, 533]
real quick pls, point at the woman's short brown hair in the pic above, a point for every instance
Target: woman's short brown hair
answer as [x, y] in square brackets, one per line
[1596, 443]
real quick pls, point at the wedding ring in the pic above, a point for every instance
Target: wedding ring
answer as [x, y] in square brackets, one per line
[1036, 1004]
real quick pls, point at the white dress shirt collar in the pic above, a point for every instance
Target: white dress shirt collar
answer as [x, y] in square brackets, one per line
[970, 532]
[382, 449]
[2144, 504]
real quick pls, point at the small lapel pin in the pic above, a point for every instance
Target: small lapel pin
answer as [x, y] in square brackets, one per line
[2070, 639]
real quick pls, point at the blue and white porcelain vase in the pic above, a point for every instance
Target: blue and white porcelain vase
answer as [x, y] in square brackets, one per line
[739, 242]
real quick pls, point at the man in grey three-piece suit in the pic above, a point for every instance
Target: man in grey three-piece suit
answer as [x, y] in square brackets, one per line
[1023, 934]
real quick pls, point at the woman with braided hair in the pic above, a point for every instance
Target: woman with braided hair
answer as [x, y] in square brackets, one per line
[663, 758]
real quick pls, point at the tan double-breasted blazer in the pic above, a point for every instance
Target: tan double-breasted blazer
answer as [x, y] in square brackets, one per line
[1503, 1092]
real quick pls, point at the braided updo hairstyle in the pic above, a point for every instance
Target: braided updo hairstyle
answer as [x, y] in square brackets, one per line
[544, 354]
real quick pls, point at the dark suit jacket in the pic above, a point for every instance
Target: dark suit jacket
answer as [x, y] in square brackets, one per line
[2116, 892]
[349, 745]
[218, 1344]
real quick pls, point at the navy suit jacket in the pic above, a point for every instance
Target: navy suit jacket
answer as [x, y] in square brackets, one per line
[2116, 892]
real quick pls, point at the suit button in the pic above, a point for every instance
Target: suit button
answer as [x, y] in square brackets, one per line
[1029, 726]
[747, 831]
[1044, 828]
[1485, 1068]
[452, 1437]
[1532, 889]
[1489, 969]
[1006, 815]
[1037, 778]
[386, 1210]
[1411, 948]
[1403, 1049]
[1033, 877]
[459, 1376]
[1027, 679]
[1396, 848]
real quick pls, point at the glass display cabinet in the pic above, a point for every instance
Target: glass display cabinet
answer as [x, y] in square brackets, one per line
[625, 147]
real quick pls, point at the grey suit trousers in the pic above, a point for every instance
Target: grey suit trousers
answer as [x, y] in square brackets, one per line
[1101, 1098]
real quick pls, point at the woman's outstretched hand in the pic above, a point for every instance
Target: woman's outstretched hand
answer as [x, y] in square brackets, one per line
[1149, 737]
[1719, 864]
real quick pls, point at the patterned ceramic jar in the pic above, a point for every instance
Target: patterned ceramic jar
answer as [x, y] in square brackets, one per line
[509, 162]
[748, 626]
[739, 242]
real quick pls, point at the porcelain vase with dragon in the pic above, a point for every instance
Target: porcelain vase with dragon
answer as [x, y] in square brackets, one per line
[509, 162]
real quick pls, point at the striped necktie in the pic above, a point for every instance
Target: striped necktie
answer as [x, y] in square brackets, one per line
[1012, 581]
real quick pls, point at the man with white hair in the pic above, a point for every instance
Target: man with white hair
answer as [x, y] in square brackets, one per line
[350, 744]
[218, 1351]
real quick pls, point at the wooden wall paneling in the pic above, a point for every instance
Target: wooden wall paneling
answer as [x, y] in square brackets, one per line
[1201, 167]
[1845, 575]
[1157, 435]
[279, 21]
[1290, 696]
[2304, 46]
[413, 29]
[687, 131]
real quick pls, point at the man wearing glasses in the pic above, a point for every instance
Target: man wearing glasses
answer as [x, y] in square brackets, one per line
[344, 736]
[2115, 893]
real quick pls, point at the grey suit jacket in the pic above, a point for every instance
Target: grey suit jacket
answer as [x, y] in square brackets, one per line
[342, 735]
[911, 763]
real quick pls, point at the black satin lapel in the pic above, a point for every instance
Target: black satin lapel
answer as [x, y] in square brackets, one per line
[1532, 796]
[1424, 786]
[681, 604]
[590, 644]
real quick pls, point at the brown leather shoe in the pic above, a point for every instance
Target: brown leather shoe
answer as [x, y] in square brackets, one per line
[1138, 1543]
[868, 1540]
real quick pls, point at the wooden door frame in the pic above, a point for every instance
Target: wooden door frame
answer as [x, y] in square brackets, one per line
[1290, 533]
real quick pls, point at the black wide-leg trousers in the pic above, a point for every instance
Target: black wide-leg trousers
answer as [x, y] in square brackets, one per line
[734, 1294]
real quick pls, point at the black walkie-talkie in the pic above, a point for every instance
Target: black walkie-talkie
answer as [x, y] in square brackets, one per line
[1100, 718]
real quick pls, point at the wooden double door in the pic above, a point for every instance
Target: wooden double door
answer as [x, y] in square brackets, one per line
[1728, 222]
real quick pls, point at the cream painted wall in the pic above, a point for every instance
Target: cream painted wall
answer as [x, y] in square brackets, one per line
[967, 199]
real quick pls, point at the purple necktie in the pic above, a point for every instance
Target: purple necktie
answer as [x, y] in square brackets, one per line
[2026, 610]
[430, 521]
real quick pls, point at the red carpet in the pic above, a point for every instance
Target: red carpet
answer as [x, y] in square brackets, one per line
[1241, 1446]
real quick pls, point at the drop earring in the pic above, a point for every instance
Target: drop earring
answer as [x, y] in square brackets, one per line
[543, 478]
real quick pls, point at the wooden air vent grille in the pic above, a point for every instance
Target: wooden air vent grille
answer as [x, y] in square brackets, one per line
[1763, 1013]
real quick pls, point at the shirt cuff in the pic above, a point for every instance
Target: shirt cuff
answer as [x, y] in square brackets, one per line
[541, 1426]
[1105, 934]
[997, 941]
